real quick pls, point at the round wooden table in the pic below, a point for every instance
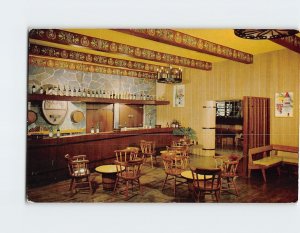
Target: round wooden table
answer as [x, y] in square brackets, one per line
[189, 177]
[109, 176]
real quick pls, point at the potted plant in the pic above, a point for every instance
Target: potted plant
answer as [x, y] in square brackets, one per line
[187, 132]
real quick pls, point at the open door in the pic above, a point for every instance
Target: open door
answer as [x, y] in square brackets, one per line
[256, 126]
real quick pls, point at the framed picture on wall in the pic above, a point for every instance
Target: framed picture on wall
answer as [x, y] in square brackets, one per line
[284, 104]
[178, 96]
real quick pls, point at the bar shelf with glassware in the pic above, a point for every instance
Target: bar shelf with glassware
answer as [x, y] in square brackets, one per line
[41, 97]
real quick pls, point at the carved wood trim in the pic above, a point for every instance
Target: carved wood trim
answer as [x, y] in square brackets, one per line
[54, 63]
[186, 41]
[290, 42]
[40, 50]
[70, 38]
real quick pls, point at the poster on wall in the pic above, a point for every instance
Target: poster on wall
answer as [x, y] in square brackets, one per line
[178, 96]
[284, 104]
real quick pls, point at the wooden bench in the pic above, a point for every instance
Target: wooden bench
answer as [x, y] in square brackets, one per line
[270, 158]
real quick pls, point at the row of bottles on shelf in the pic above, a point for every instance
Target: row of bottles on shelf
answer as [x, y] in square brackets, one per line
[91, 93]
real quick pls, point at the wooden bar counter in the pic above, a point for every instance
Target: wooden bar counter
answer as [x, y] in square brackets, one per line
[45, 157]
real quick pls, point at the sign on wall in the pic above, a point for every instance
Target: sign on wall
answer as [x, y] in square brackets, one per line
[284, 104]
[178, 96]
[55, 111]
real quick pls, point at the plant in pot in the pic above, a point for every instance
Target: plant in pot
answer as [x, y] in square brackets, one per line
[187, 132]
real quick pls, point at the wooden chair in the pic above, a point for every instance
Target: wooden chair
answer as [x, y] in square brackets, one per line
[79, 172]
[229, 176]
[184, 150]
[206, 181]
[126, 154]
[148, 150]
[128, 172]
[174, 164]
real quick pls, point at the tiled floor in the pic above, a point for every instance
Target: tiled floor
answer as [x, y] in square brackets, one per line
[277, 189]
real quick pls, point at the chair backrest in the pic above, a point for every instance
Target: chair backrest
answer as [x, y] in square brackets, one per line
[125, 155]
[172, 160]
[230, 167]
[183, 150]
[147, 147]
[78, 165]
[129, 169]
[209, 178]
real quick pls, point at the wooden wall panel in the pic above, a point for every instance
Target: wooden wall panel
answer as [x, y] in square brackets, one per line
[270, 73]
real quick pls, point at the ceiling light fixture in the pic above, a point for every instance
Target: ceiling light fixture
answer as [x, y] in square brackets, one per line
[263, 34]
[169, 75]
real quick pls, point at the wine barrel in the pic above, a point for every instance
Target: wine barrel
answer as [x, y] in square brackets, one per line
[77, 116]
[31, 117]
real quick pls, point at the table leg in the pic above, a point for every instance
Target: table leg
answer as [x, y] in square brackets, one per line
[108, 181]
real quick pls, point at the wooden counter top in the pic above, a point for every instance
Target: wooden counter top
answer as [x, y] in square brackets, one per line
[94, 137]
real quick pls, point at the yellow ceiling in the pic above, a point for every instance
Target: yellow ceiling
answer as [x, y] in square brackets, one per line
[224, 37]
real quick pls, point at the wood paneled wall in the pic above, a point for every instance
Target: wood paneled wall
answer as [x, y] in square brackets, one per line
[270, 73]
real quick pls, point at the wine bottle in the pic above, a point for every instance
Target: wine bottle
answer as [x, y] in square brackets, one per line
[58, 133]
[79, 92]
[33, 89]
[84, 93]
[88, 93]
[58, 90]
[42, 90]
[70, 91]
[97, 95]
[74, 92]
[64, 91]
[103, 94]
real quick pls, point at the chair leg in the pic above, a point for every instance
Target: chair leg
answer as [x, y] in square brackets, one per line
[71, 184]
[174, 186]
[216, 195]
[90, 185]
[151, 161]
[263, 171]
[235, 187]
[228, 182]
[139, 184]
[115, 188]
[164, 182]
[127, 188]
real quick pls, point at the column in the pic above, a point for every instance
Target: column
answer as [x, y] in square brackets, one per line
[209, 128]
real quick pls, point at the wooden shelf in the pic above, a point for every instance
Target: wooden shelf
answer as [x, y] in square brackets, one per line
[40, 97]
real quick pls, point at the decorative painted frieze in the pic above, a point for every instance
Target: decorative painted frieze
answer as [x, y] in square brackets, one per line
[186, 41]
[41, 50]
[70, 38]
[290, 42]
[50, 62]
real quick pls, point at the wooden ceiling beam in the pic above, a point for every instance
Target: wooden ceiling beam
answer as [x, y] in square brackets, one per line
[62, 64]
[182, 40]
[75, 39]
[290, 42]
[40, 50]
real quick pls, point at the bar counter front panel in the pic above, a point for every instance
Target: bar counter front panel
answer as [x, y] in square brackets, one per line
[45, 157]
